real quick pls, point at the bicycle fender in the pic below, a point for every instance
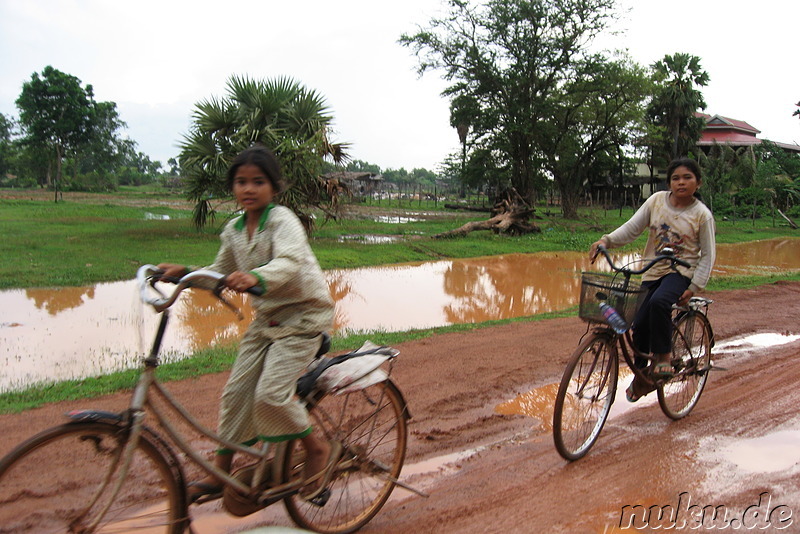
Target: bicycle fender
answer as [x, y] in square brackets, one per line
[406, 411]
[94, 416]
[713, 340]
[166, 450]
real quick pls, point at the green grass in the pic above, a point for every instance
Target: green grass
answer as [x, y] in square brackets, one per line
[69, 243]
[65, 244]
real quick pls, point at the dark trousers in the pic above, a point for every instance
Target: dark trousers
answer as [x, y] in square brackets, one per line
[652, 326]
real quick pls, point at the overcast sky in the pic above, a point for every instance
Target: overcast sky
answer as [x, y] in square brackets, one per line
[157, 59]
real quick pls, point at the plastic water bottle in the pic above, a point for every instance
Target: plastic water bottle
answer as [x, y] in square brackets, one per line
[618, 324]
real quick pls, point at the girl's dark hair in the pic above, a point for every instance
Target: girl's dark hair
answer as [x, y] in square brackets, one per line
[684, 162]
[264, 159]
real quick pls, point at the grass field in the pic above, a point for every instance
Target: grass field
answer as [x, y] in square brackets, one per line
[89, 238]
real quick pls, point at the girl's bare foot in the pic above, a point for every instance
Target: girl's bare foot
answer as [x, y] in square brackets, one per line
[321, 456]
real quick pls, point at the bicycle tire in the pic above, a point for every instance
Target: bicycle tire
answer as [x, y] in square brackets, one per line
[371, 425]
[585, 396]
[48, 481]
[691, 355]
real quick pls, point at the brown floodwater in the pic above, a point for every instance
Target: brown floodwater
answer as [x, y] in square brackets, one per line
[61, 333]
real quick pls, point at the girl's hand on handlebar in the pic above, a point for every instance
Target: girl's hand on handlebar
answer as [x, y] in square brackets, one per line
[239, 281]
[594, 250]
[172, 270]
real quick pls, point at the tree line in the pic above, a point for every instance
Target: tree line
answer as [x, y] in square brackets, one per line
[64, 139]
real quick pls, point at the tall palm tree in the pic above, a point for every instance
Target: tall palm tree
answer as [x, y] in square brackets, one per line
[677, 99]
[280, 113]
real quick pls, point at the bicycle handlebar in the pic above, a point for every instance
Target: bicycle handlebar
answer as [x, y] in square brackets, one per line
[147, 276]
[666, 255]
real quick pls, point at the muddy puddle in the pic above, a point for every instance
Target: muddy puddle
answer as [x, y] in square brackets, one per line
[62, 333]
[539, 402]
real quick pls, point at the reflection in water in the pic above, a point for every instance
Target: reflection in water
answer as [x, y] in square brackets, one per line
[403, 297]
[370, 239]
[759, 257]
[537, 403]
[63, 333]
[540, 403]
[61, 299]
[771, 453]
[396, 219]
[48, 334]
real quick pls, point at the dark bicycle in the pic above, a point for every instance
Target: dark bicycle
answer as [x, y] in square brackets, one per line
[589, 383]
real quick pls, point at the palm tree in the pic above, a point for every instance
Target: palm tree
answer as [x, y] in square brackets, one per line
[280, 113]
[676, 101]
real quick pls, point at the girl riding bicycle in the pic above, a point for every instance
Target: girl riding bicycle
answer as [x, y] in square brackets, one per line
[678, 220]
[267, 246]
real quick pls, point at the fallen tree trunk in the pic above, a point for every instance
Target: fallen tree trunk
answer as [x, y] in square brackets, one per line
[510, 215]
[503, 223]
[788, 219]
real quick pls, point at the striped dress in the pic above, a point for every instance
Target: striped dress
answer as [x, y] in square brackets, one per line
[258, 402]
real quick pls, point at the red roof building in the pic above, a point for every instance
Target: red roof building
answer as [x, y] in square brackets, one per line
[736, 133]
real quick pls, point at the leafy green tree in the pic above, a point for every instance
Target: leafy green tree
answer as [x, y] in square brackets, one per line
[32, 165]
[6, 146]
[516, 69]
[787, 163]
[597, 113]
[717, 168]
[280, 113]
[675, 102]
[55, 115]
[102, 162]
[397, 176]
[362, 166]
[781, 169]
[174, 167]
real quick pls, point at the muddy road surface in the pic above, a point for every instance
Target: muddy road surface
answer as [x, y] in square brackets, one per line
[487, 468]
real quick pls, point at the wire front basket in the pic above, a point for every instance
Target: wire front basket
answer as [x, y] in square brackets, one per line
[597, 288]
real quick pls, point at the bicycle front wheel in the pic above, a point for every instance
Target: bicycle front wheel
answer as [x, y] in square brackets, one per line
[59, 480]
[371, 426]
[585, 396]
[691, 357]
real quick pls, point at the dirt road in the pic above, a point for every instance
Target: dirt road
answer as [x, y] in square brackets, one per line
[738, 452]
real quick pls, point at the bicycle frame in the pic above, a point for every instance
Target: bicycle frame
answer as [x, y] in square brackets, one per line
[133, 419]
[624, 342]
[140, 403]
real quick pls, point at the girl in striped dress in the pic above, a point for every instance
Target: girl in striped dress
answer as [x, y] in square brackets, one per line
[268, 247]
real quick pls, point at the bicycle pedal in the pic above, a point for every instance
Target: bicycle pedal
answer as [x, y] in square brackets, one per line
[321, 499]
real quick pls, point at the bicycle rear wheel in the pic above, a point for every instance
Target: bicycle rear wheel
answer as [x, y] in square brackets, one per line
[585, 396]
[48, 483]
[691, 357]
[371, 426]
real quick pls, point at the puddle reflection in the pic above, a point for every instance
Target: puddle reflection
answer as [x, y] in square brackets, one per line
[55, 334]
[539, 402]
[773, 452]
[370, 239]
